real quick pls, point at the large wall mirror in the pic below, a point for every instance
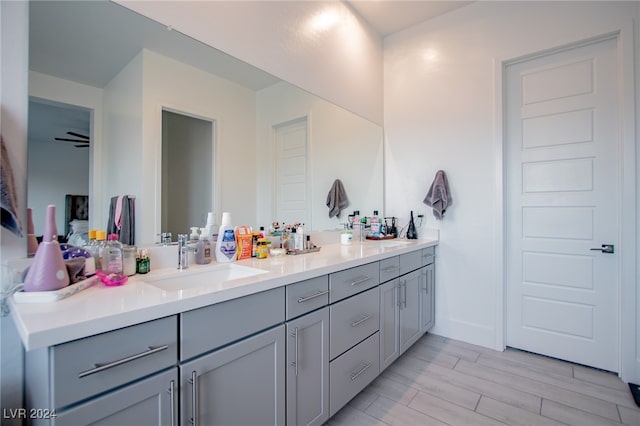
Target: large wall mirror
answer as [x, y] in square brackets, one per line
[272, 151]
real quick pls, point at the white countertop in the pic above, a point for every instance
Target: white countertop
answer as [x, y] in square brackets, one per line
[100, 309]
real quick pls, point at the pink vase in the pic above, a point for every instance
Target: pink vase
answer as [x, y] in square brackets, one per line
[48, 270]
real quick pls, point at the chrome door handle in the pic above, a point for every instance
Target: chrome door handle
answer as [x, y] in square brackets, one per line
[172, 392]
[193, 381]
[605, 248]
[295, 336]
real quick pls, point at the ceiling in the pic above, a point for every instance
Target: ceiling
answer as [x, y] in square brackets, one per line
[77, 30]
[390, 16]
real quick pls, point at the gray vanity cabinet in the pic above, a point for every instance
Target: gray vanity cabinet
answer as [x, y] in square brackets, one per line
[152, 401]
[389, 323]
[240, 384]
[308, 369]
[427, 312]
[409, 301]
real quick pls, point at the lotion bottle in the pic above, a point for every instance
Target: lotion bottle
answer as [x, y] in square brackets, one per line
[226, 247]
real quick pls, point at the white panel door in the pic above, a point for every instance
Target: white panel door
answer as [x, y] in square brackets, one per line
[562, 186]
[292, 200]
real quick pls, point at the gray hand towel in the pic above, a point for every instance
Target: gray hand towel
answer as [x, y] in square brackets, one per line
[438, 196]
[337, 199]
[126, 233]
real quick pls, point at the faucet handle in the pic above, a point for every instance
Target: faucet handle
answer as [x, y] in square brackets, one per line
[182, 239]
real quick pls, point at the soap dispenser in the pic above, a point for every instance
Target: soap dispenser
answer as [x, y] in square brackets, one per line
[48, 271]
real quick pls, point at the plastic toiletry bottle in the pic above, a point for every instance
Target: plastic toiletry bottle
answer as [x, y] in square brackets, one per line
[226, 246]
[112, 256]
[299, 238]
[193, 236]
[203, 249]
[48, 270]
[211, 228]
[98, 248]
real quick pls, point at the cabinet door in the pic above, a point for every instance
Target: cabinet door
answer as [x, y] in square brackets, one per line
[149, 402]
[308, 369]
[389, 323]
[410, 309]
[427, 313]
[241, 384]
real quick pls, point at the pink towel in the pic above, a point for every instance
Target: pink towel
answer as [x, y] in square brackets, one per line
[117, 217]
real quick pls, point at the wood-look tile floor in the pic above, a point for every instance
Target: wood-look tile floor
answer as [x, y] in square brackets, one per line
[440, 381]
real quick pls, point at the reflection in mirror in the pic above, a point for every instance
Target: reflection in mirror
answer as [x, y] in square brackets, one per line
[187, 170]
[58, 158]
[128, 69]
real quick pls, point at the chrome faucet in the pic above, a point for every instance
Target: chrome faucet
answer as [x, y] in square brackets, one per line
[183, 251]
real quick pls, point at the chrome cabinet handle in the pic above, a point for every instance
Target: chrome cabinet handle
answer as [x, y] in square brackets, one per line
[193, 381]
[360, 280]
[390, 268]
[360, 321]
[605, 248]
[107, 365]
[172, 393]
[295, 362]
[313, 296]
[359, 372]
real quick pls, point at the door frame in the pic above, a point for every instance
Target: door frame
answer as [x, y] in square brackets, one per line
[629, 366]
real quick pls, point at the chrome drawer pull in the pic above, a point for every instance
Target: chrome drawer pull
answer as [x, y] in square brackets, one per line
[360, 321]
[390, 268]
[360, 280]
[313, 296]
[105, 366]
[359, 372]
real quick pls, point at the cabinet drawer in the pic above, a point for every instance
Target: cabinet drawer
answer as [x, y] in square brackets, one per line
[352, 372]
[211, 327]
[307, 296]
[428, 255]
[389, 268]
[352, 281]
[89, 366]
[410, 261]
[352, 320]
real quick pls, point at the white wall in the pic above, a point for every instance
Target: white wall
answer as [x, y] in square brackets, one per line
[440, 113]
[342, 146]
[322, 47]
[52, 88]
[13, 126]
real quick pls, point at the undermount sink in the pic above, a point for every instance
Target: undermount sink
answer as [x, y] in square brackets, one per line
[185, 280]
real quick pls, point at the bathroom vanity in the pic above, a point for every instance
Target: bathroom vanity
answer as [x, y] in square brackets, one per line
[290, 344]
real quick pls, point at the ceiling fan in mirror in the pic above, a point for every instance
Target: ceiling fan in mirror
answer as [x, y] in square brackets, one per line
[82, 141]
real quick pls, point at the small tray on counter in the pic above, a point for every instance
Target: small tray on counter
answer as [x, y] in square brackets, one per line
[54, 295]
[311, 250]
[380, 238]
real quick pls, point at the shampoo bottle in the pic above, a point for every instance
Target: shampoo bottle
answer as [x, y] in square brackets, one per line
[48, 270]
[226, 247]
